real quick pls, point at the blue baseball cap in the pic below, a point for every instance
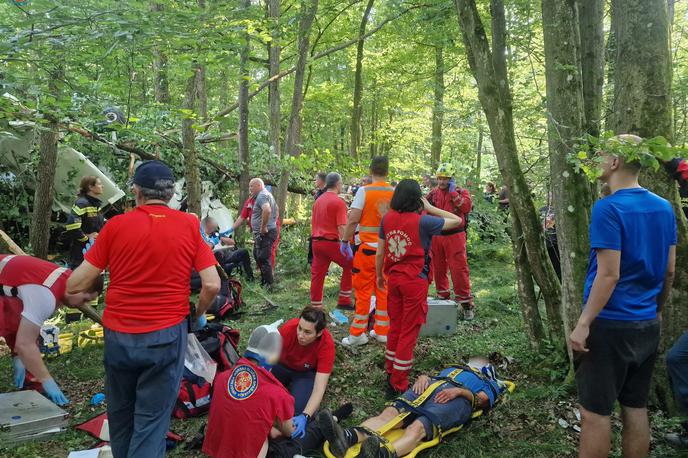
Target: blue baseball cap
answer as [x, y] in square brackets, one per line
[151, 171]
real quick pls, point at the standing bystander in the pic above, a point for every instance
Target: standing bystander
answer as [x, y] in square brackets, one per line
[146, 308]
[632, 259]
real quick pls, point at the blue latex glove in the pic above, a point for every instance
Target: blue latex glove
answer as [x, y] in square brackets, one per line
[345, 250]
[54, 393]
[452, 185]
[201, 322]
[88, 246]
[299, 422]
[19, 372]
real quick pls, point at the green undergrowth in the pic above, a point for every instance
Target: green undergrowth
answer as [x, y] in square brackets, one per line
[527, 423]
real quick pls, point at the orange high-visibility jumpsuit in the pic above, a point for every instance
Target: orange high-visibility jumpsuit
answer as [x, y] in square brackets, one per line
[377, 197]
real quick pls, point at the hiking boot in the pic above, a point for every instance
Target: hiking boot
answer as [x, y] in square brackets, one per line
[372, 448]
[381, 339]
[678, 440]
[468, 313]
[355, 341]
[343, 412]
[334, 434]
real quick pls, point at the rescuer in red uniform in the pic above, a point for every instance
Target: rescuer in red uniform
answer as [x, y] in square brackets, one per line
[328, 224]
[402, 256]
[31, 289]
[248, 401]
[449, 250]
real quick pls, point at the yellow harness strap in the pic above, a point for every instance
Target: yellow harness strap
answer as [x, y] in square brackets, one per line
[427, 393]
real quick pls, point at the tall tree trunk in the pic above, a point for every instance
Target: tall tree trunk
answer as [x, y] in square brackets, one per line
[202, 93]
[274, 87]
[565, 128]
[437, 108]
[591, 33]
[358, 83]
[202, 81]
[43, 196]
[191, 171]
[39, 232]
[479, 150]
[489, 69]
[244, 154]
[292, 143]
[642, 106]
[373, 125]
[160, 81]
[535, 329]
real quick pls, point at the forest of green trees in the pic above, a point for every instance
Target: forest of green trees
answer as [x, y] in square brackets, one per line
[516, 92]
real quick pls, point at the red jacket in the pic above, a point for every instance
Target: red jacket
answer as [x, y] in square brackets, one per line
[457, 202]
[26, 270]
[404, 252]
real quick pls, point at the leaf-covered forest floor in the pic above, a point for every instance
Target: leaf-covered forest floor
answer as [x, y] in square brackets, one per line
[529, 423]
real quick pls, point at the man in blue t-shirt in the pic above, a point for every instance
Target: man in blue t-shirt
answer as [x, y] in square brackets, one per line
[632, 258]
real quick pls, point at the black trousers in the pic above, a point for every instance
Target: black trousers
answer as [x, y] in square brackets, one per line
[287, 448]
[262, 252]
[239, 258]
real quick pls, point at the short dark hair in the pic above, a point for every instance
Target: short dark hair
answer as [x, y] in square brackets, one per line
[315, 316]
[321, 176]
[86, 183]
[379, 166]
[407, 197]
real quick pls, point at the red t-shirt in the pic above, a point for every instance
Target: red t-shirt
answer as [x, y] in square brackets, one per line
[329, 212]
[150, 252]
[247, 209]
[246, 401]
[317, 356]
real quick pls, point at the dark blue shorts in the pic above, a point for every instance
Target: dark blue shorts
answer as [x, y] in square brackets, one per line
[445, 416]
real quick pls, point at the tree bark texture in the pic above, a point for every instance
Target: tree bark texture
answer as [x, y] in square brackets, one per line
[642, 106]
[292, 143]
[274, 87]
[160, 81]
[191, 170]
[437, 109]
[535, 329]
[244, 154]
[565, 129]
[591, 32]
[357, 110]
[39, 232]
[489, 70]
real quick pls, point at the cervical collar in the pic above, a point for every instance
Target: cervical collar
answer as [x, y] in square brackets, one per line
[259, 359]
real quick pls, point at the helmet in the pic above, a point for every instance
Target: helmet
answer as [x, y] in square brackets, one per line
[445, 170]
[265, 345]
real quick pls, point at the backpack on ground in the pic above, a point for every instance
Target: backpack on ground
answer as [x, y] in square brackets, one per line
[193, 399]
[220, 341]
[228, 301]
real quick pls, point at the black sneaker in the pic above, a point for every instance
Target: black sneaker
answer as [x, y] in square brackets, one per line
[334, 434]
